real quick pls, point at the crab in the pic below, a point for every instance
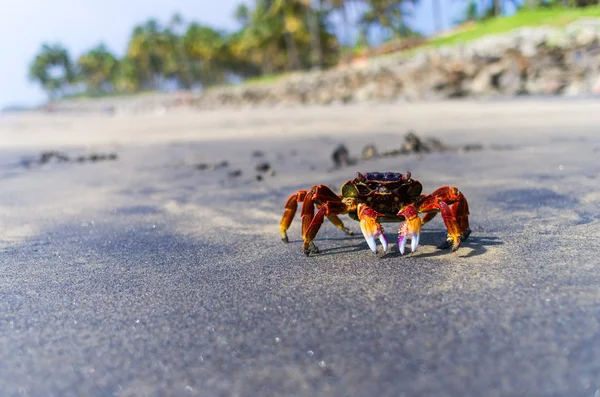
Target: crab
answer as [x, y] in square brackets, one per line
[379, 197]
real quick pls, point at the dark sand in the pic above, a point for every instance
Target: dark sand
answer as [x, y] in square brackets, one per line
[148, 276]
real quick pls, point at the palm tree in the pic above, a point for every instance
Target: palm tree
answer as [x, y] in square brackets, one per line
[128, 78]
[151, 50]
[389, 14]
[497, 7]
[259, 41]
[242, 14]
[98, 69]
[52, 68]
[294, 13]
[205, 48]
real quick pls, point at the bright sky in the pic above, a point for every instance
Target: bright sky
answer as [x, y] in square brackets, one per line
[82, 24]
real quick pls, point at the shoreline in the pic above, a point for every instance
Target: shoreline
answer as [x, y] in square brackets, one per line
[46, 131]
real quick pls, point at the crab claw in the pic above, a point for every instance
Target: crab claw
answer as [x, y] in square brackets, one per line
[409, 229]
[370, 228]
[454, 235]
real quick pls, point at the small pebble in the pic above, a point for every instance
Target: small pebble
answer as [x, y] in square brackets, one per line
[263, 167]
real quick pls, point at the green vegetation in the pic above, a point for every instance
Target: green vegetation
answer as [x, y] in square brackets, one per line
[275, 37]
[555, 16]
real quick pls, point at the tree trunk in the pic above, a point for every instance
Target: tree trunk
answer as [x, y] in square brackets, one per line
[292, 51]
[315, 33]
[497, 7]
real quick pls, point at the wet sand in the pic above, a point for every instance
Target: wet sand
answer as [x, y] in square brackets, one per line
[156, 275]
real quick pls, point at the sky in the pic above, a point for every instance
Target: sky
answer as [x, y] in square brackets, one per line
[82, 24]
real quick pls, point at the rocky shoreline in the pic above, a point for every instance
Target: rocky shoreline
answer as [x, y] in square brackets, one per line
[526, 61]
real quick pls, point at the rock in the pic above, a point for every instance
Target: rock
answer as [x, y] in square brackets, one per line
[412, 143]
[341, 157]
[435, 145]
[97, 157]
[575, 88]
[482, 82]
[369, 152]
[263, 167]
[472, 147]
[212, 167]
[366, 92]
[558, 38]
[509, 82]
[596, 86]
[234, 173]
[551, 81]
[59, 157]
[586, 37]
[528, 48]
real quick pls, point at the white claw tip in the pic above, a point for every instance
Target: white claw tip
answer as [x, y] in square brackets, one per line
[372, 243]
[384, 242]
[401, 244]
[414, 243]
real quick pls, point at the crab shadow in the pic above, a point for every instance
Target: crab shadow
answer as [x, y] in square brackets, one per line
[360, 245]
[475, 244]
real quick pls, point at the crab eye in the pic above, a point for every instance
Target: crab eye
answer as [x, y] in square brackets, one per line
[349, 190]
[455, 191]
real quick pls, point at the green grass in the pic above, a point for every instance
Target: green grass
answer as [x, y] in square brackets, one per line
[556, 16]
[101, 95]
[265, 79]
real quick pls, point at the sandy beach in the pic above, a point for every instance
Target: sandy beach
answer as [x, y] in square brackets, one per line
[161, 271]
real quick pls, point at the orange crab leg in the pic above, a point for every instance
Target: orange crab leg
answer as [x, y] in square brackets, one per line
[329, 208]
[308, 212]
[428, 216]
[446, 194]
[290, 210]
[455, 212]
[315, 196]
[451, 225]
[339, 224]
[318, 195]
[371, 229]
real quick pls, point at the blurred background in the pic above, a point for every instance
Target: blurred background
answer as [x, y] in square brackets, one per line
[68, 49]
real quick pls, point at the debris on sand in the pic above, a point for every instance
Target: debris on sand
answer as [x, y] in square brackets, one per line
[258, 153]
[369, 152]
[341, 157]
[212, 167]
[263, 167]
[471, 147]
[234, 173]
[413, 144]
[53, 156]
